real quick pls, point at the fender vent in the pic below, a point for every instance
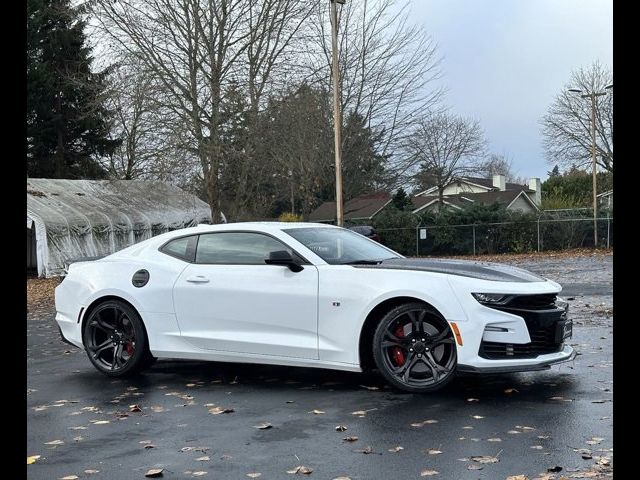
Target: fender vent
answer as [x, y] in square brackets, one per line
[140, 278]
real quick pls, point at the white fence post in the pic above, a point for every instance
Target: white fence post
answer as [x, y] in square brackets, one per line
[474, 238]
[538, 234]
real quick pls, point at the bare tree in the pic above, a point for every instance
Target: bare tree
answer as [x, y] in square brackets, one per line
[498, 164]
[387, 68]
[566, 127]
[445, 147]
[195, 49]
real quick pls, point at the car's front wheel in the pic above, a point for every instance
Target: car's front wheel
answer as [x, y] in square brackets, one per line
[115, 339]
[414, 348]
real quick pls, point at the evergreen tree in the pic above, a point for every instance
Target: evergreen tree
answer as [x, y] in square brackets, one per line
[401, 200]
[67, 123]
[555, 172]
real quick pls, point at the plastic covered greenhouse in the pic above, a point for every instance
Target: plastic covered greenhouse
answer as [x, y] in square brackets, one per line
[70, 220]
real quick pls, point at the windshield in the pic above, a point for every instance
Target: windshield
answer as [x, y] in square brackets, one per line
[338, 246]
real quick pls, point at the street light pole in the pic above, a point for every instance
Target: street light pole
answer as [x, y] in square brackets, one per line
[337, 114]
[593, 96]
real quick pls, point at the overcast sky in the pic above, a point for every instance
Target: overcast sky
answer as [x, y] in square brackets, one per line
[505, 60]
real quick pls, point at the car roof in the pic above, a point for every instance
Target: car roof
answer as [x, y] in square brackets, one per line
[260, 226]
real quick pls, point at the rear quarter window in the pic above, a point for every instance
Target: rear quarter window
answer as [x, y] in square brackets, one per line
[183, 248]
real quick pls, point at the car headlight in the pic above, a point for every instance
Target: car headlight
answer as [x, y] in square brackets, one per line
[491, 298]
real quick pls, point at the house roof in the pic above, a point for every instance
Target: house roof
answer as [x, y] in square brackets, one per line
[484, 183]
[465, 199]
[359, 208]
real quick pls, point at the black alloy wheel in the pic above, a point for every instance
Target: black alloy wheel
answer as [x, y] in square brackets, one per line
[115, 339]
[414, 348]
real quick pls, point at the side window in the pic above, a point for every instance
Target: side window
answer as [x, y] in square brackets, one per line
[239, 248]
[183, 248]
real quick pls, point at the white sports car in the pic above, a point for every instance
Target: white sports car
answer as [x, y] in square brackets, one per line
[309, 295]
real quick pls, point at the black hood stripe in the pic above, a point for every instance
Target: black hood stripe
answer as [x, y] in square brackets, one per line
[496, 272]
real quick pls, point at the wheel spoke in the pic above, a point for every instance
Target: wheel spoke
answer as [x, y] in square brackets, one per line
[416, 322]
[117, 356]
[100, 348]
[434, 366]
[441, 338]
[407, 373]
[101, 324]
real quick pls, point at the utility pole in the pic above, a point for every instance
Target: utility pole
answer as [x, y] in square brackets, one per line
[337, 114]
[592, 96]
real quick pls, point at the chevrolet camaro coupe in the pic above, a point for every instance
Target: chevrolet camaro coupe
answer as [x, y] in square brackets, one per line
[309, 295]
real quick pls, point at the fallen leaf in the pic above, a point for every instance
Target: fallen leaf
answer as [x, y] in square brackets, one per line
[473, 466]
[366, 450]
[69, 477]
[316, 412]
[517, 477]
[54, 442]
[90, 472]
[301, 470]
[154, 473]
[513, 432]
[477, 417]
[340, 428]
[370, 388]
[263, 426]
[525, 428]
[144, 442]
[158, 409]
[586, 456]
[429, 473]
[472, 400]
[433, 451]
[511, 390]
[484, 459]
[199, 474]
[543, 437]
[32, 459]
[100, 422]
[254, 475]
[396, 449]
[290, 401]
[537, 447]
[203, 459]
[423, 423]
[134, 408]
[467, 427]
[149, 445]
[78, 428]
[561, 399]
[494, 439]
[189, 385]
[219, 410]
[350, 439]
[555, 469]
[342, 478]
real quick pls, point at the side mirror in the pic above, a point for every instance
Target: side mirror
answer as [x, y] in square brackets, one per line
[284, 258]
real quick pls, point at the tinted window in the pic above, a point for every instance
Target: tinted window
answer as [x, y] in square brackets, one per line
[340, 246]
[239, 248]
[183, 248]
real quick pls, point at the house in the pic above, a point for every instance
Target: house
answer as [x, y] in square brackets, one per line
[457, 195]
[605, 200]
[466, 191]
[364, 207]
[72, 219]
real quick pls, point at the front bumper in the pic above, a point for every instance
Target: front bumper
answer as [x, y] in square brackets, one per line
[542, 362]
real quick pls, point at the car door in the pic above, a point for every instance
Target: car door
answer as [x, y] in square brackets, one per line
[230, 300]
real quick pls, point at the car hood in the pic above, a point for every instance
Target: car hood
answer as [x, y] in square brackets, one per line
[496, 272]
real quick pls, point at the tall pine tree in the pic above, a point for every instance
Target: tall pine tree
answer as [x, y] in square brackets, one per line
[67, 122]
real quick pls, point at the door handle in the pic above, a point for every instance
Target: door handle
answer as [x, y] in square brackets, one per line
[198, 279]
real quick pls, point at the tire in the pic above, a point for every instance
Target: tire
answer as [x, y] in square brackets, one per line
[414, 348]
[115, 339]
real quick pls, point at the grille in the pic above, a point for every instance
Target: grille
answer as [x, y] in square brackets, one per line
[534, 302]
[541, 316]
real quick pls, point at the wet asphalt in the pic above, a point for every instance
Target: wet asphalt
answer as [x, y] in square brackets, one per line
[528, 422]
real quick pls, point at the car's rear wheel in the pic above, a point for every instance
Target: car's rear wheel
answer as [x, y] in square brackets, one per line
[115, 339]
[414, 348]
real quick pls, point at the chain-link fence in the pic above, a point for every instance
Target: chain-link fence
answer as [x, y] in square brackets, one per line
[503, 237]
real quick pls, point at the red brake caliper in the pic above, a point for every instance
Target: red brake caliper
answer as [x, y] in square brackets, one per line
[397, 354]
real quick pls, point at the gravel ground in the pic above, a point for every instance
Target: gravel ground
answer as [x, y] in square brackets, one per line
[81, 423]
